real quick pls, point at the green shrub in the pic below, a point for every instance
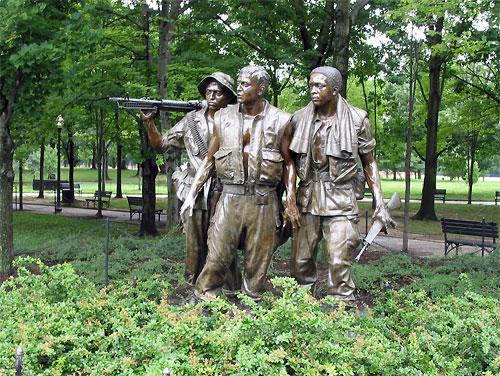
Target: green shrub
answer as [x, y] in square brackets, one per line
[438, 278]
[67, 327]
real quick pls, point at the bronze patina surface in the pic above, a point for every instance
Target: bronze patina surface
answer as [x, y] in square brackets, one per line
[250, 151]
[329, 135]
[193, 134]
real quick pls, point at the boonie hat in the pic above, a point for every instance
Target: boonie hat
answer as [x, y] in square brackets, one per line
[223, 79]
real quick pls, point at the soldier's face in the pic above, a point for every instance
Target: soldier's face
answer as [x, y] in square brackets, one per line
[321, 92]
[248, 89]
[216, 96]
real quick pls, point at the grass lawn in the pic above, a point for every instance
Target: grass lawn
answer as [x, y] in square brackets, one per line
[474, 212]
[131, 184]
[455, 190]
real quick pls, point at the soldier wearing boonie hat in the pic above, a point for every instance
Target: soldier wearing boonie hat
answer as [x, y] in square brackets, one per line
[193, 133]
[223, 79]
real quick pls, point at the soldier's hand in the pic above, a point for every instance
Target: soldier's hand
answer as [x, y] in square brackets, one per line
[291, 214]
[381, 214]
[187, 207]
[148, 115]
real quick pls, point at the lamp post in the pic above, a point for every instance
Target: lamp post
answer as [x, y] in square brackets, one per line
[58, 207]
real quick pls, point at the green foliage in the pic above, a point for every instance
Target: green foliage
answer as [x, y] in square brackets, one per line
[438, 279]
[32, 163]
[84, 248]
[66, 327]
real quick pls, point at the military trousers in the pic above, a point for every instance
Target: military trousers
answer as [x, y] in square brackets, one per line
[249, 219]
[341, 235]
[195, 231]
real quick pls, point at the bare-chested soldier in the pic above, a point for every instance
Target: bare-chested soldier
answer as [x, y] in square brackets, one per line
[193, 133]
[250, 152]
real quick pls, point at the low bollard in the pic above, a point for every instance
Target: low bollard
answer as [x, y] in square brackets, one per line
[166, 372]
[19, 361]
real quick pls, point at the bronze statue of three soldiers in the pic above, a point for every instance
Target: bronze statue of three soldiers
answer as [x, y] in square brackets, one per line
[257, 149]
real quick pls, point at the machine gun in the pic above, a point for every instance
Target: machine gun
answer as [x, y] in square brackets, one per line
[156, 105]
[394, 203]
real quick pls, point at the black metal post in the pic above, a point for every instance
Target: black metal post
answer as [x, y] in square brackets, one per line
[366, 223]
[58, 199]
[482, 237]
[106, 267]
[19, 361]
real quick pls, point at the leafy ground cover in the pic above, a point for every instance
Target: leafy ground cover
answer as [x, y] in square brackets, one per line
[68, 326]
[423, 317]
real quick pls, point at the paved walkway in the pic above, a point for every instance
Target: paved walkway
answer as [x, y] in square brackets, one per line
[419, 244]
[114, 215]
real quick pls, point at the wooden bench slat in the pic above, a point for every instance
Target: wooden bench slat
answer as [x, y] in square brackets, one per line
[471, 242]
[135, 207]
[482, 230]
[440, 194]
[105, 198]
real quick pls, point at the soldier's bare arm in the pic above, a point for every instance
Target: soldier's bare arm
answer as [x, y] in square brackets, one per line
[154, 135]
[291, 213]
[204, 172]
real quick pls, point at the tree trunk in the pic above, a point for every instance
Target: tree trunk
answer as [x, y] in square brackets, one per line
[99, 135]
[71, 163]
[169, 12]
[94, 156]
[409, 136]
[473, 147]
[427, 209]
[106, 163]
[20, 185]
[149, 170]
[148, 220]
[6, 185]
[41, 192]
[119, 171]
[341, 41]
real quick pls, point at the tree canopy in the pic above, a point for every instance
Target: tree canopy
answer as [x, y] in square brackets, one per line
[68, 57]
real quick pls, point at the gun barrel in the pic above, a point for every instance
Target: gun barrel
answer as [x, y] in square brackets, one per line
[361, 252]
[158, 104]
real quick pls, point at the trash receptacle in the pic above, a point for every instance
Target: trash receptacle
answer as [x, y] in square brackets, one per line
[67, 197]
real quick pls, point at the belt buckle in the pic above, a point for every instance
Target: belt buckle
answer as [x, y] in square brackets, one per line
[249, 189]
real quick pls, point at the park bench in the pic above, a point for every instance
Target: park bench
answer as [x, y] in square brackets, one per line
[440, 194]
[48, 184]
[479, 232]
[105, 198]
[497, 197]
[76, 186]
[135, 207]
[368, 193]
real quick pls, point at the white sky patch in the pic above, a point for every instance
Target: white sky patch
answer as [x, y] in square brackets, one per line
[378, 40]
